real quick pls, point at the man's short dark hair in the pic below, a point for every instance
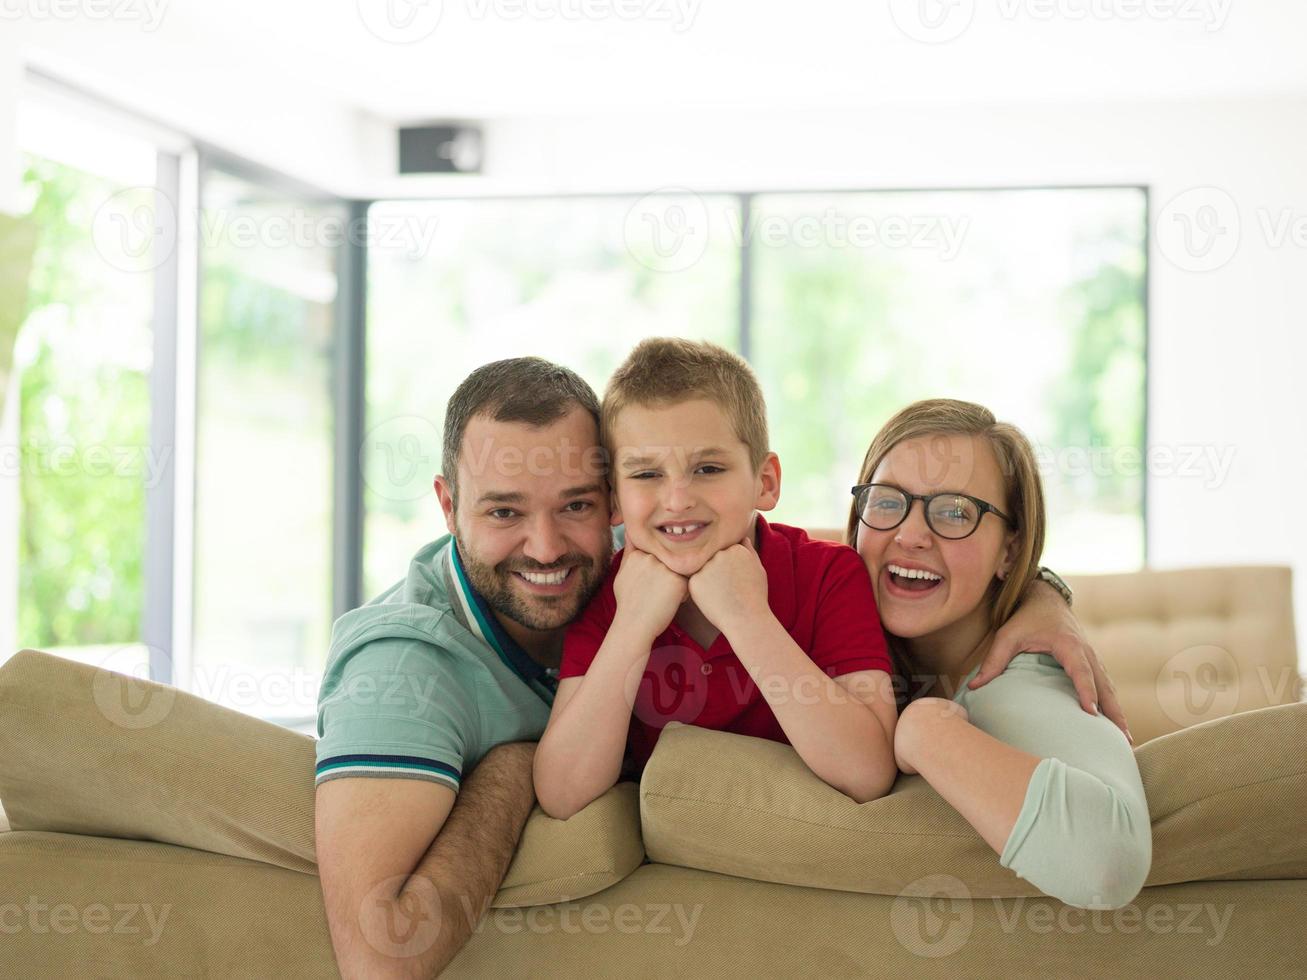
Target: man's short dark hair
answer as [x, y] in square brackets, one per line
[530, 390]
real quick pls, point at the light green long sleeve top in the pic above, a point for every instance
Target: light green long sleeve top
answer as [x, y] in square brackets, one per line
[1083, 834]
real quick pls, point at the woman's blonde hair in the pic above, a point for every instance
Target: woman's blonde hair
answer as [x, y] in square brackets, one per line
[1023, 490]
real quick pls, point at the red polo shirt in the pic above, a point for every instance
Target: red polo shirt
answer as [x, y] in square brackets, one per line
[820, 593]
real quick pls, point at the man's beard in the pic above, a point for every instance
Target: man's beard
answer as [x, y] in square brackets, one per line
[495, 584]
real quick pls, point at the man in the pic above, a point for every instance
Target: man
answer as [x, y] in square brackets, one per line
[438, 689]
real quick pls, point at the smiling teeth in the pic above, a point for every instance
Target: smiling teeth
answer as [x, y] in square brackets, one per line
[545, 578]
[678, 531]
[902, 572]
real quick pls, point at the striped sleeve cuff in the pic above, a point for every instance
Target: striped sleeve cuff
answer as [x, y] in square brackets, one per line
[388, 767]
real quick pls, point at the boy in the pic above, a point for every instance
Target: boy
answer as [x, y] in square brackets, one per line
[710, 615]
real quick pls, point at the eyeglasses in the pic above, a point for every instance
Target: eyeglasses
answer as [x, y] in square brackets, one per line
[950, 515]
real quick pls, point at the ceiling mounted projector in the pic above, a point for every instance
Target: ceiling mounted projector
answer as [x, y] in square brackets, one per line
[440, 149]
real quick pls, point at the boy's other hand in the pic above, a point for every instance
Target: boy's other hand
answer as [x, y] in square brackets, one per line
[731, 587]
[648, 593]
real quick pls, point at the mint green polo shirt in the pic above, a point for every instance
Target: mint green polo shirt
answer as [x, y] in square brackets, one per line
[423, 681]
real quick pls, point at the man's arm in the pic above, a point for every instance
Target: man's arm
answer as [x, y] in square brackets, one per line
[407, 872]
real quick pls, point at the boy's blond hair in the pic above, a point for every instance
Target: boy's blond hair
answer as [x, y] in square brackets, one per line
[669, 370]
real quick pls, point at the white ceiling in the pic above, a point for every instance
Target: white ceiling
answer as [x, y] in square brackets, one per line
[309, 88]
[504, 58]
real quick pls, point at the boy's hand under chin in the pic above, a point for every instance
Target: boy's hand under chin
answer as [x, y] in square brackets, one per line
[731, 588]
[648, 593]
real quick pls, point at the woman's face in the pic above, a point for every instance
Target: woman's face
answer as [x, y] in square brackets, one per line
[917, 607]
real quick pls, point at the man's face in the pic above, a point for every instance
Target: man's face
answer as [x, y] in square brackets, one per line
[532, 518]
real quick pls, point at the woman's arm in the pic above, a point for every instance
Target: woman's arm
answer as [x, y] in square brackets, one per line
[1054, 791]
[984, 779]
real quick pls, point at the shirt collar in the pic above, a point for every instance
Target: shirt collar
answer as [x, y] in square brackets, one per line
[475, 613]
[777, 557]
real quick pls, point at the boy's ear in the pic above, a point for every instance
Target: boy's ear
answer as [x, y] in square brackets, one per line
[769, 483]
[446, 497]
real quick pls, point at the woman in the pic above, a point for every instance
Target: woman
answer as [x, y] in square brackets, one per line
[948, 516]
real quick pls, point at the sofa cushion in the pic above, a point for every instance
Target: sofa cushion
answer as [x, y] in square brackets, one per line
[141, 911]
[90, 752]
[1226, 799]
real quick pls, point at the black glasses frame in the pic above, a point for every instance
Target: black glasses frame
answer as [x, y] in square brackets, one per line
[984, 506]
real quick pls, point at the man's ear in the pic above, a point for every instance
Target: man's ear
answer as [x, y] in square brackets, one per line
[446, 498]
[769, 483]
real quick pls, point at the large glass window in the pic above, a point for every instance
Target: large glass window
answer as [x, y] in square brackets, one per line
[263, 481]
[1028, 302]
[77, 455]
[454, 285]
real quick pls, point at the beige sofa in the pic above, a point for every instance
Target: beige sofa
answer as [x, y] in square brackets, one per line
[157, 835]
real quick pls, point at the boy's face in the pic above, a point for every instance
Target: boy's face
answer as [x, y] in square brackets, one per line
[683, 483]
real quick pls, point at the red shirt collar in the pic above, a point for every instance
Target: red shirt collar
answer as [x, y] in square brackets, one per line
[777, 557]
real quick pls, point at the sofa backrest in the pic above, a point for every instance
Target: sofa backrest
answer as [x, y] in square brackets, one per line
[1188, 645]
